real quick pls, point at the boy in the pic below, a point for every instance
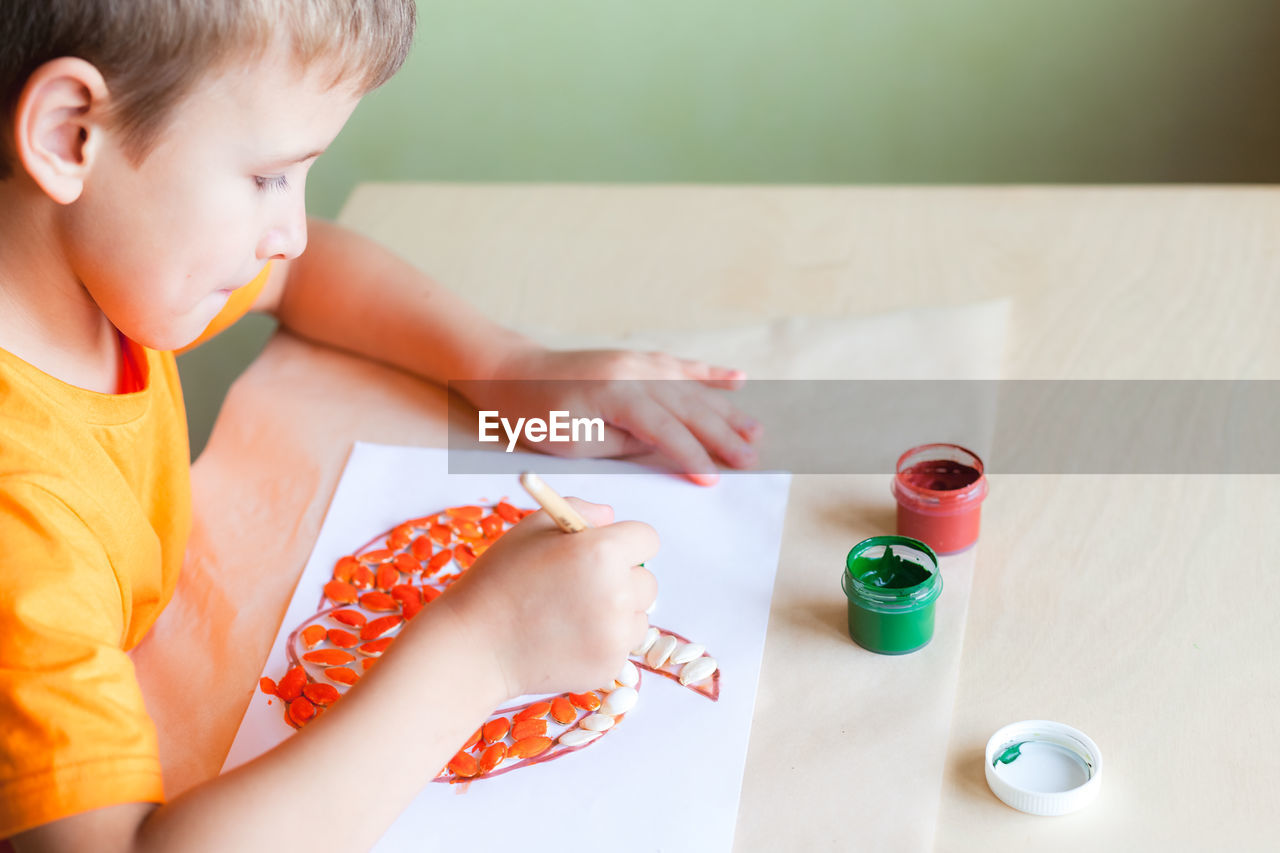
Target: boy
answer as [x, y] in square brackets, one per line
[152, 162]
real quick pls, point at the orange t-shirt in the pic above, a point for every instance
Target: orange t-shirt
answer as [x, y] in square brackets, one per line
[95, 508]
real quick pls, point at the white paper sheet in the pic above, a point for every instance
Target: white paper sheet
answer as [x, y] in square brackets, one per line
[669, 777]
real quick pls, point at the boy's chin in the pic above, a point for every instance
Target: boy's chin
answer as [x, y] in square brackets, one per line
[175, 328]
[175, 337]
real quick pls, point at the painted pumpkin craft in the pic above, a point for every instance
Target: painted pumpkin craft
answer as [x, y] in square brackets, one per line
[378, 589]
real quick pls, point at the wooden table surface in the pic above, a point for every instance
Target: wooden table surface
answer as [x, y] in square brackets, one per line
[1137, 608]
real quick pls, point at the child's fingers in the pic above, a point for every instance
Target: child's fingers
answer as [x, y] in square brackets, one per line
[712, 419]
[741, 423]
[727, 378]
[597, 515]
[745, 425]
[639, 627]
[656, 426]
[639, 541]
[644, 588]
[716, 433]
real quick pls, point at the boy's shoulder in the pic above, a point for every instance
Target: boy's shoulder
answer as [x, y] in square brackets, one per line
[94, 488]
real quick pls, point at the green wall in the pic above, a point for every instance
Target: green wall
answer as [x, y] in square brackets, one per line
[968, 91]
[797, 91]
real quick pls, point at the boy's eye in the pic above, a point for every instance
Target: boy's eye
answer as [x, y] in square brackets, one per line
[273, 183]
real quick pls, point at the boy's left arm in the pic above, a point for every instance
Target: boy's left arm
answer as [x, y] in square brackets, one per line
[347, 291]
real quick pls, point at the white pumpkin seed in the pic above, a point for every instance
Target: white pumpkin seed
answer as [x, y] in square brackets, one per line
[620, 701]
[687, 652]
[698, 670]
[597, 723]
[629, 676]
[650, 637]
[577, 737]
[657, 655]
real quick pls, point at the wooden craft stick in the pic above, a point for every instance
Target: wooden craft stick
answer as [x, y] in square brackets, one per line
[557, 507]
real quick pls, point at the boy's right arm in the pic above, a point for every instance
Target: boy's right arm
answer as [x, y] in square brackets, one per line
[540, 611]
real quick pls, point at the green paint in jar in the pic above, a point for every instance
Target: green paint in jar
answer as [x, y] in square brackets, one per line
[892, 583]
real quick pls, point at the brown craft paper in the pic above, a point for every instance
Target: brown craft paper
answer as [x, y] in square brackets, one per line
[836, 727]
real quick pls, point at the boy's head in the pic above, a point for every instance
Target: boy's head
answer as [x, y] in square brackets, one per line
[172, 137]
[151, 52]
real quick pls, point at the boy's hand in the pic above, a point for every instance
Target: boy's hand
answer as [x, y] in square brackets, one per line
[559, 611]
[640, 397]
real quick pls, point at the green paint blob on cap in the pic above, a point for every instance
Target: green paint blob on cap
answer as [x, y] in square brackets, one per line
[1009, 755]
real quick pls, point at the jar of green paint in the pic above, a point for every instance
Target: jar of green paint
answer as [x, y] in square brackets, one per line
[892, 583]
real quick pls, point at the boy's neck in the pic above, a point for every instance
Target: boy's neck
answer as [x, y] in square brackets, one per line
[47, 319]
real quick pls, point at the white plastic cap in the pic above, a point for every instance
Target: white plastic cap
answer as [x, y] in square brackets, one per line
[1043, 768]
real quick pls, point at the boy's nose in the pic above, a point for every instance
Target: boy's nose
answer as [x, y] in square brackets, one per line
[286, 239]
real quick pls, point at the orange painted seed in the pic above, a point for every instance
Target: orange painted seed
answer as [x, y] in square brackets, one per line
[354, 618]
[440, 560]
[342, 639]
[329, 657]
[492, 757]
[467, 529]
[528, 728]
[464, 555]
[537, 709]
[321, 694]
[312, 634]
[290, 687]
[341, 674]
[377, 601]
[399, 537]
[404, 593]
[387, 577]
[340, 592]
[362, 577]
[464, 765]
[496, 729]
[376, 647]
[301, 710]
[562, 710]
[375, 628]
[344, 567]
[585, 701]
[528, 747]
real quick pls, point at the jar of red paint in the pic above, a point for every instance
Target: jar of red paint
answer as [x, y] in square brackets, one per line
[939, 488]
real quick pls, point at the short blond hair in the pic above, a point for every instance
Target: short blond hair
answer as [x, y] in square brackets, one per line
[152, 52]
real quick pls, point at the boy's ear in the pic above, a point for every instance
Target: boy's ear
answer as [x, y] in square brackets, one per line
[58, 125]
